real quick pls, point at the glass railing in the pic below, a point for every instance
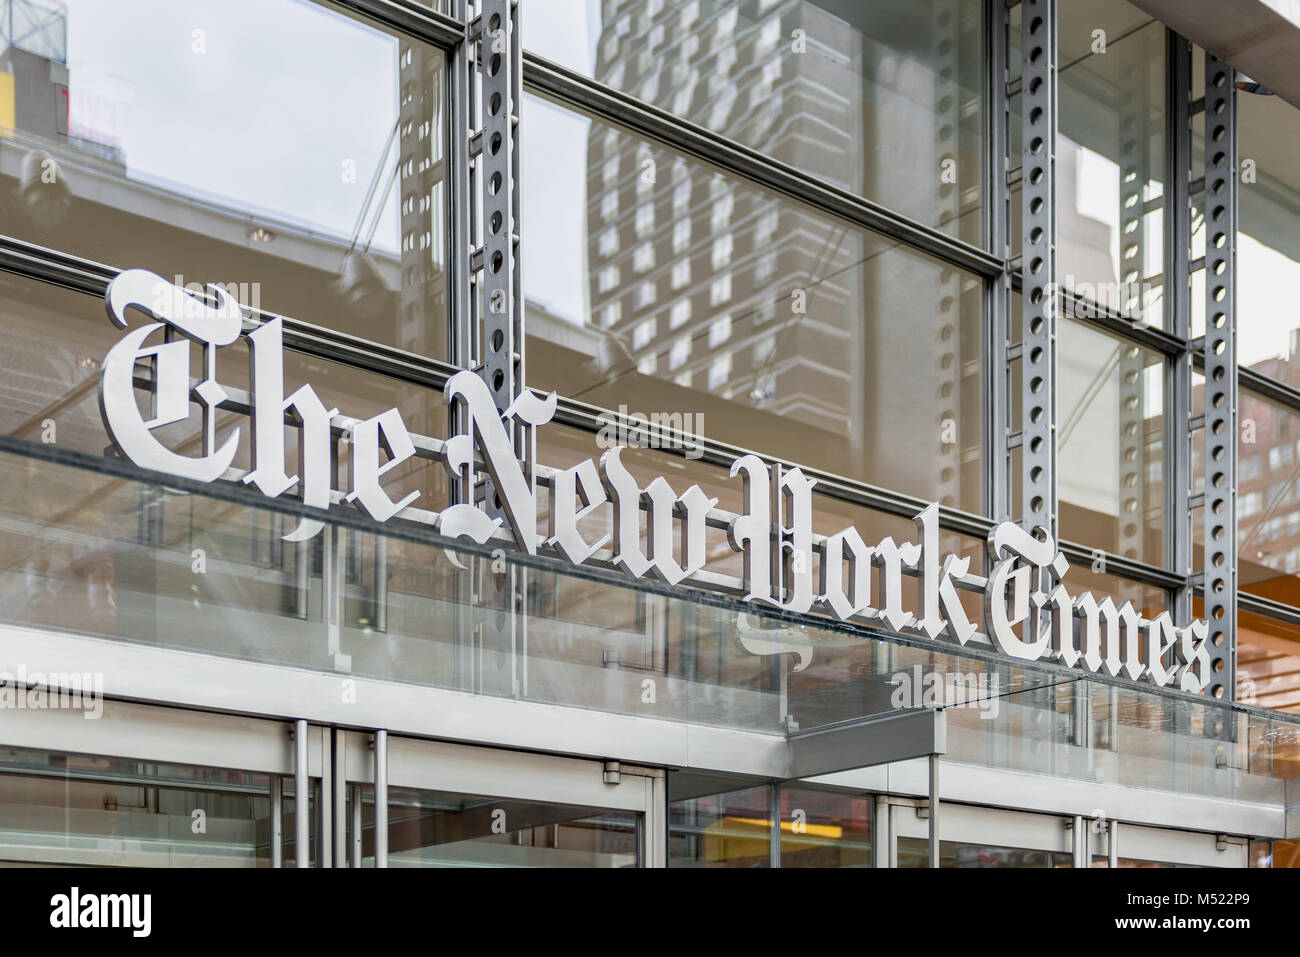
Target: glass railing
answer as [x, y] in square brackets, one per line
[1049, 721]
[96, 553]
[89, 552]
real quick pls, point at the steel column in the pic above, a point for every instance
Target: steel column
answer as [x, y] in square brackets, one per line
[497, 276]
[357, 826]
[1039, 295]
[882, 837]
[934, 811]
[495, 145]
[277, 821]
[338, 759]
[460, 243]
[655, 820]
[325, 836]
[774, 813]
[1220, 378]
[301, 798]
[1135, 172]
[381, 798]
[1178, 319]
[893, 835]
[997, 422]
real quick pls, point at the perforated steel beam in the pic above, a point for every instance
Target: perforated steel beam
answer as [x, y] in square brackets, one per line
[496, 311]
[1178, 377]
[998, 412]
[1134, 166]
[1220, 375]
[1039, 295]
[496, 260]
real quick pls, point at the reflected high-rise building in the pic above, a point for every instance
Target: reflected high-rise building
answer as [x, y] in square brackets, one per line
[739, 292]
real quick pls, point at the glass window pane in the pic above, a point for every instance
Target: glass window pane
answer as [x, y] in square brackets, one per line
[824, 829]
[440, 829]
[914, 852]
[721, 830]
[1109, 441]
[50, 372]
[1110, 157]
[1268, 662]
[1148, 600]
[91, 811]
[1268, 235]
[300, 163]
[881, 97]
[673, 288]
[1268, 500]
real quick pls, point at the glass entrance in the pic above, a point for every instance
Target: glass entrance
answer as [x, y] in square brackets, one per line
[142, 786]
[454, 805]
[977, 837]
[85, 810]
[971, 836]
[444, 829]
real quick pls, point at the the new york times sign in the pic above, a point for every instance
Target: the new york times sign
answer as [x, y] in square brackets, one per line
[1028, 614]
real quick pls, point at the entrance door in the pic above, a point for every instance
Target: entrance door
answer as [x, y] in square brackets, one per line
[141, 786]
[971, 836]
[976, 836]
[1140, 846]
[453, 805]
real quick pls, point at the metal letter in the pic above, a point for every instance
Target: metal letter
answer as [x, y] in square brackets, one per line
[891, 558]
[662, 505]
[387, 431]
[209, 326]
[751, 533]
[489, 433]
[1192, 655]
[795, 551]
[266, 380]
[934, 588]
[1161, 637]
[846, 543]
[567, 486]
[1009, 544]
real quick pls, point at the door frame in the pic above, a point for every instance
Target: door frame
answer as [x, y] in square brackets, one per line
[434, 765]
[1032, 830]
[163, 735]
[975, 824]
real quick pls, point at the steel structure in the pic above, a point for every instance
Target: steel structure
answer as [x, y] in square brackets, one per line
[1003, 272]
[487, 73]
[1038, 291]
[1221, 372]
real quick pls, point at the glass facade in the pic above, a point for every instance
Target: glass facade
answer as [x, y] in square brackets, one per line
[1268, 211]
[777, 326]
[872, 245]
[89, 811]
[1111, 154]
[429, 829]
[912, 852]
[878, 98]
